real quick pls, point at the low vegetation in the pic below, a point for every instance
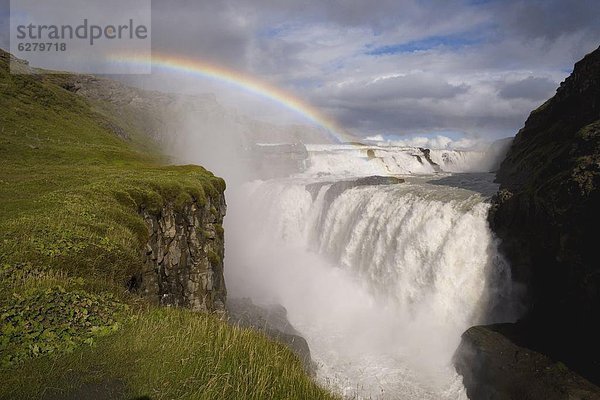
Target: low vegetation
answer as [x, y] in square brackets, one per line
[70, 237]
[169, 354]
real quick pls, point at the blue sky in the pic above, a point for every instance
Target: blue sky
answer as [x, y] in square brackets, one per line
[451, 42]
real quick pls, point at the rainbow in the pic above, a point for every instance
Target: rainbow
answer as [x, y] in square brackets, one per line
[244, 82]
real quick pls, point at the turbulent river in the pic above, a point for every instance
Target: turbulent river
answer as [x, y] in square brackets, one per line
[380, 279]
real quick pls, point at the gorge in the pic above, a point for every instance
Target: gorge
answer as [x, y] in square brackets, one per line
[403, 260]
[393, 272]
[381, 276]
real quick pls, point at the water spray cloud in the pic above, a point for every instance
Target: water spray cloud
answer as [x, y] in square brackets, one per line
[247, 83]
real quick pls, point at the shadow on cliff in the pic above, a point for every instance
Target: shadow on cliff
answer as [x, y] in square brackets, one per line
[547, 215]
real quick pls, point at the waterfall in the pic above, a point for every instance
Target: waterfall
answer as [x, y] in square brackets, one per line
[348, 160]
[380, 279]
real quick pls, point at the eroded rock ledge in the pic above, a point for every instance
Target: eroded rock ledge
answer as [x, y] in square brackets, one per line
[183, 260]
[495, 368]
[272, 321]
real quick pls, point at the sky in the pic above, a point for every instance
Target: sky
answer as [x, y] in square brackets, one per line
[466, 69]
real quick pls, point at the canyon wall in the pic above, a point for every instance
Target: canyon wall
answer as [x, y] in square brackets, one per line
[547, 215]
[183, 259]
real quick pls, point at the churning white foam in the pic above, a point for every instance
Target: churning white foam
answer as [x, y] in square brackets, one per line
[381, 280]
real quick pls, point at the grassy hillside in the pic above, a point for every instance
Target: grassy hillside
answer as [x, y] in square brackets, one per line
[71, 236]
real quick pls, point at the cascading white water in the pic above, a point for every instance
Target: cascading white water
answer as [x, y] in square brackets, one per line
[463, 161]
[350, 160]
[347, 160]
[380, 279]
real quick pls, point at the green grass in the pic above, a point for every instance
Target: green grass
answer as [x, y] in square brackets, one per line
[71, 236]
[171, 354]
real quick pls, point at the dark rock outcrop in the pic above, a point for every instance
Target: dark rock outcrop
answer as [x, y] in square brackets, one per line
[427, 155]
[272, 321]
[495, 368]
[547, 215]
[184, 256]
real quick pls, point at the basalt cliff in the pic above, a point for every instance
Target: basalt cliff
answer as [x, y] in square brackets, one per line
[183, 259]
[547, 215]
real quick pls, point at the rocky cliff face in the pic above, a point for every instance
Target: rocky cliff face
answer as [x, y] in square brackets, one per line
[495, 368]
[184, 256]
[272, 321]
[547, 214]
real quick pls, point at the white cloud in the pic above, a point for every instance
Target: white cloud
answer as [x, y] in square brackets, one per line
[487, 71]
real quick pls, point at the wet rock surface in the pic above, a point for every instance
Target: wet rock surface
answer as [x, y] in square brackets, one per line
[339, 187]
[495, 368]
[272, 321]
[427, 155]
